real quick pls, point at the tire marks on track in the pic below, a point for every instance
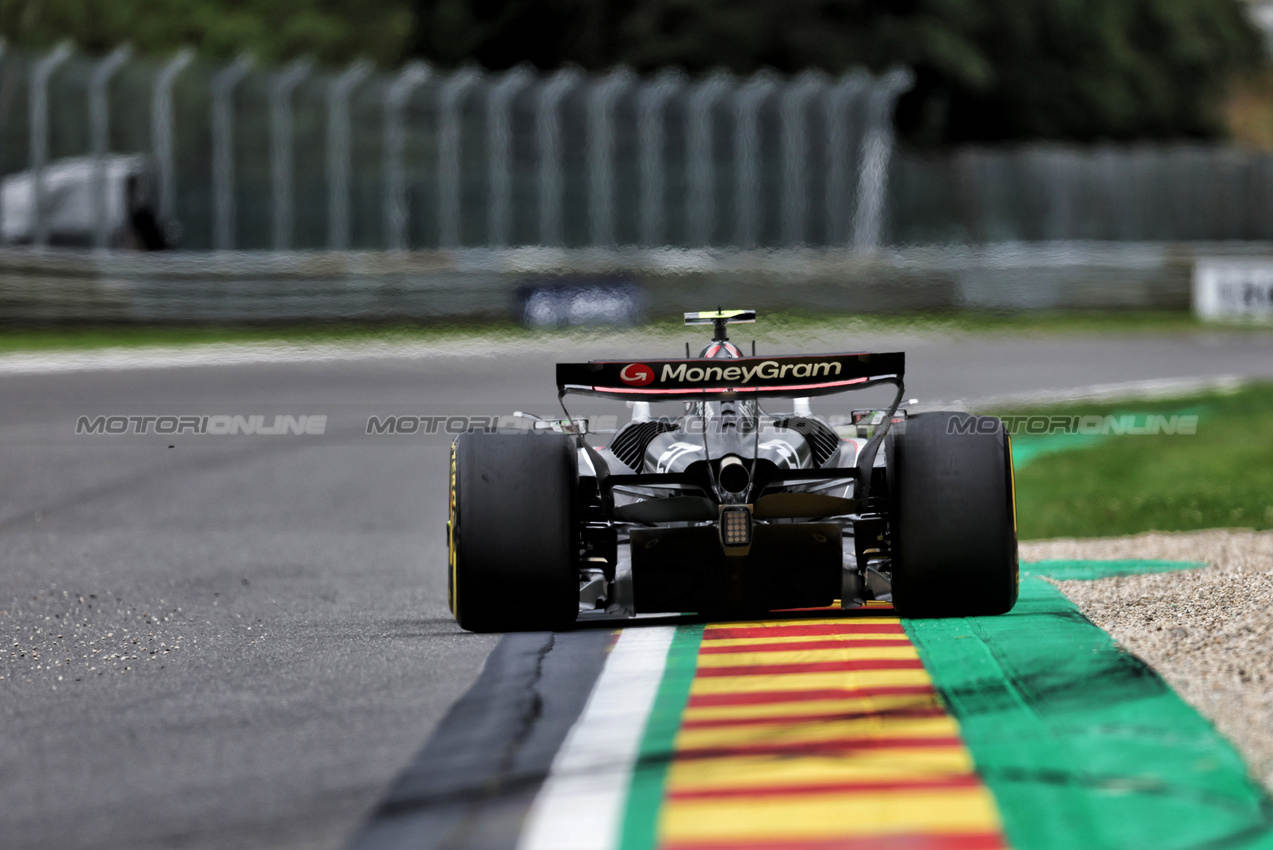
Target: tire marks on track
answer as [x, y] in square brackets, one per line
[472, 784]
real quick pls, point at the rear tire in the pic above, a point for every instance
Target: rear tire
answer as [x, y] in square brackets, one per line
[513, 546]
[953, 519]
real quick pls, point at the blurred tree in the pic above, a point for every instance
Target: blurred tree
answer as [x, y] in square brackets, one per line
[501, 33]
[986, 70]
[331, 30]
[1248, 112]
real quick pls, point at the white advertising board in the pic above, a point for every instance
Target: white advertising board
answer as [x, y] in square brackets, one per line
[1233, 288]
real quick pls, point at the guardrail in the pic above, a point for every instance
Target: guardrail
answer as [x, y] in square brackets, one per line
[475, 284]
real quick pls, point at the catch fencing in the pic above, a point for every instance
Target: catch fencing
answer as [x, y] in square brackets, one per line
[1171, 192]
[299, 157]
[303, 193]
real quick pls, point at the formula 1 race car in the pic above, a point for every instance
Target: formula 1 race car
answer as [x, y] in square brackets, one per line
[731, 509]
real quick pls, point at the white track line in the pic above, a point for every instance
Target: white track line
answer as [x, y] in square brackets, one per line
[581, 803]
[1150, 389]
[227, 354]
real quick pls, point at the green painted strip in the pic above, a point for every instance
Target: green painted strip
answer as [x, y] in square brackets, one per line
[645, 798]
[1089, 570]
[1027, 447]
[1083, 745]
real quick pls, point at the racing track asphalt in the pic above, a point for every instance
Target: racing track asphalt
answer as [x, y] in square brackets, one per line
[301, 580]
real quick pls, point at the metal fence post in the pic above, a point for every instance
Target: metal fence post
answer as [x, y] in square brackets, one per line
[282, 154]
[339, 152]
[39, 106]
[747, 101]
[548, 136]
[700, 205]
[395, 103]
[601, 153]
[224, 83]
[3, 45]
[161, 130]
[499, 156]
[794, 117]
[877, 146]
[99, 124]
[838, 100]
[450, 164]
[651, 102]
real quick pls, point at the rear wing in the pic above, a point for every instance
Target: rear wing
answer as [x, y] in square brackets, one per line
[750, 377]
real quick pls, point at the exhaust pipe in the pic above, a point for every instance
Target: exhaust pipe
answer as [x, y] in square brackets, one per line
[734, 476]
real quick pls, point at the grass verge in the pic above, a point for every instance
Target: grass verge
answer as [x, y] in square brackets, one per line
[128, 336]
[1221, 476]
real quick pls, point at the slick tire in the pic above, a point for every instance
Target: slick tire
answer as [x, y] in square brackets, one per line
[952, 516]
[512, 540]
